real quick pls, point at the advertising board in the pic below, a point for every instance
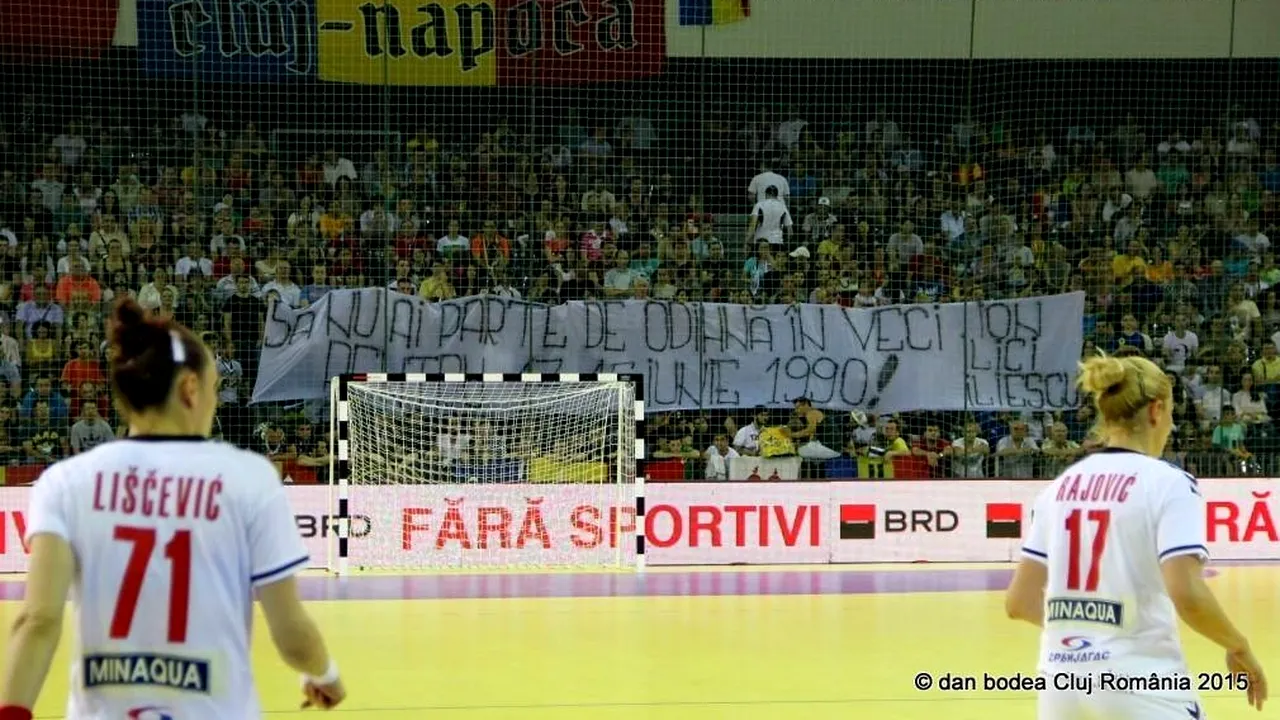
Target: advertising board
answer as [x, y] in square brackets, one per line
[421, 526]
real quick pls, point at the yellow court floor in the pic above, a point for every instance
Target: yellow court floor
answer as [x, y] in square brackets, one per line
[741, 644]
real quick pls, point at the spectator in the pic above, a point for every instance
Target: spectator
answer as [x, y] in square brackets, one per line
[816, 437]
[84, 367]
[151, 295]
[969, 453]
[770, 219]
[1213, 398]
[1058, 450]
[1180, 344]
[1229, 435]
[90, 430]
[40, 310]
[284, 286]
[1249, 403]
[718, 457]
[1017, 453]
[929, 450]
[336, 167]
[45, 439]
[747, 440]
[819, 224]
[619, 279]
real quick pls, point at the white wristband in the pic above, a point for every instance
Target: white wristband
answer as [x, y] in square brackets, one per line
[330, 676]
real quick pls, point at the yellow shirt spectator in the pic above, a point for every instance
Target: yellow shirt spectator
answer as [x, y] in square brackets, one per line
[436, 287]
[1127, 268]
[1266, 370]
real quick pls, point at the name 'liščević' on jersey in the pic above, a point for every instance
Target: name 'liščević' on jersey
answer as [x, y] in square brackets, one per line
[170, 535]
[1103, 528]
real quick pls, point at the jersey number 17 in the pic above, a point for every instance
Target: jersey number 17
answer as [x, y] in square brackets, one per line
[1075, 532]
[178, 552]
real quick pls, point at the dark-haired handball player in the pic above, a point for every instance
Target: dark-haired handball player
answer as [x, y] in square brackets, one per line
[164, 537]
[1115, 555]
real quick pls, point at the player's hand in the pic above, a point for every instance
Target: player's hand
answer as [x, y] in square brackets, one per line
[323, 697]
[1243, 661]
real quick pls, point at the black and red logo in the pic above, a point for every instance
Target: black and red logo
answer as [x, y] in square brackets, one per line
[1004, 520]
[857, 522]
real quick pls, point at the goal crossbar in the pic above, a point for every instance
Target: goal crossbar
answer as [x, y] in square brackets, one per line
[629, 438]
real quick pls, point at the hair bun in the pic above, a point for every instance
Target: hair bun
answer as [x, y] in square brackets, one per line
[1101, 374]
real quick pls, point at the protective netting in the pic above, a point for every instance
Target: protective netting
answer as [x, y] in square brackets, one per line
[213, 158]
[451, 475]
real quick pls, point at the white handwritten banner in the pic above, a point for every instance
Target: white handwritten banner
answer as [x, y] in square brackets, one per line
[994, 355]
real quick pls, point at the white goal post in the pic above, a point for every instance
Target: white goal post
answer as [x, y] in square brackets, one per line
[486, 472]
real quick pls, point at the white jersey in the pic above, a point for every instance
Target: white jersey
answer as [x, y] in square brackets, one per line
[171, 536]
[1103, 528]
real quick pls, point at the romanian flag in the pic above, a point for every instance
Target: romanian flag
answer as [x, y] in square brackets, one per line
[713, 12]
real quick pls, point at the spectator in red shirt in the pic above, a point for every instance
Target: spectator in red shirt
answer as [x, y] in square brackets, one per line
[83, 368]
[488, 246]
[931, 447]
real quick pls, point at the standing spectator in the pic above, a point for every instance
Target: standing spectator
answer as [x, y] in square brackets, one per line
[90, 430]
[1179, 345]
[931, 448]
[232, 392]
[243, 317]
[747, 440]
[284, 286]
[770, 219]
[718, 457]
[813, 435]
[969, 453]
[1017, 453]
[1058, 450]
[767, 178]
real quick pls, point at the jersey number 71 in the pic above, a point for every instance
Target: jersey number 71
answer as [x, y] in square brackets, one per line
[178, 552]
[1075, 533]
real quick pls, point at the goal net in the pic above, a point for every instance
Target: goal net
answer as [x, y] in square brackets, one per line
[501, 471]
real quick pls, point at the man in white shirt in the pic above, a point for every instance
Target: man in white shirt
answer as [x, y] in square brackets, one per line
[760, 184]
[194, 260]
[1213, 397]
[337, 167]
[1179, 345]
[1017, 453]
[1141, 181]
[71, 259]
[618, 281]
[969, 454]
[747, 440]
[289, 292]
[1252, 240]
[455, 243]
[770, 219]
[718, 457]
[904, 245]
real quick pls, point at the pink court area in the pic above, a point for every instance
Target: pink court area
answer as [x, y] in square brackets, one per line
[789, 642]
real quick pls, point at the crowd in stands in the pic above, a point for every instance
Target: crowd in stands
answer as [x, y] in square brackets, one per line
[1165, 229]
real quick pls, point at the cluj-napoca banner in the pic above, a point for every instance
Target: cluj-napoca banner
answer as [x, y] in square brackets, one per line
[404, 42]
[995, 355]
